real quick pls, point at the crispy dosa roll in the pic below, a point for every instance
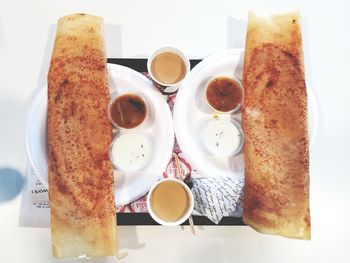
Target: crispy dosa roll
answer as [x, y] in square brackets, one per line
[274, 120]
[81, 183]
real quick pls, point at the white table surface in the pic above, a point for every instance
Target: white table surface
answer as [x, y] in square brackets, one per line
[134, 29]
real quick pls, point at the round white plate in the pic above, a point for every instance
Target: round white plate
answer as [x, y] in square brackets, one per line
[129, 185]
[191, 111]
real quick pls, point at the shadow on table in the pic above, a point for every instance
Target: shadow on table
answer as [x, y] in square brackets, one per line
[113, 40]
[11, 183]
[236, 32]
[2, 34]
[127, 238]
[127, 242]
[12, 147]
[42, 81]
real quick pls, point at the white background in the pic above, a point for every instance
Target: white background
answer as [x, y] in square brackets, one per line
[134, 29]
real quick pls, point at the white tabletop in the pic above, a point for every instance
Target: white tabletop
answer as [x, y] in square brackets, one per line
[134, 29]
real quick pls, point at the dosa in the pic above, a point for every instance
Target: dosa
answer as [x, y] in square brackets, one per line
[274, 120]
[81, 183]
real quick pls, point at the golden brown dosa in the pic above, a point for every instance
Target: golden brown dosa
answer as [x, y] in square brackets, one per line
[81, 183]
[274, 119]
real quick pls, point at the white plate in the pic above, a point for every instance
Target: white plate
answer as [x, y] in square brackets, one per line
[191, 110]
[129, 185]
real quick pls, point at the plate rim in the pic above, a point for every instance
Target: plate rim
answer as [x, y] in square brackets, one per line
[33, 106]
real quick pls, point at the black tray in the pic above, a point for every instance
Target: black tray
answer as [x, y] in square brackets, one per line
[128, 219]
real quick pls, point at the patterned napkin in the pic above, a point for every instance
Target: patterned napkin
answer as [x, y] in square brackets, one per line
[218, 197]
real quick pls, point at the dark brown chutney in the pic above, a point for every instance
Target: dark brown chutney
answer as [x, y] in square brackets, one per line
[128, 111]
[224, 94]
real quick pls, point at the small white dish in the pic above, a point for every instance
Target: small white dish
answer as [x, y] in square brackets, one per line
[241, 90]
[223, 138]
[130, 151]
[143, 123]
